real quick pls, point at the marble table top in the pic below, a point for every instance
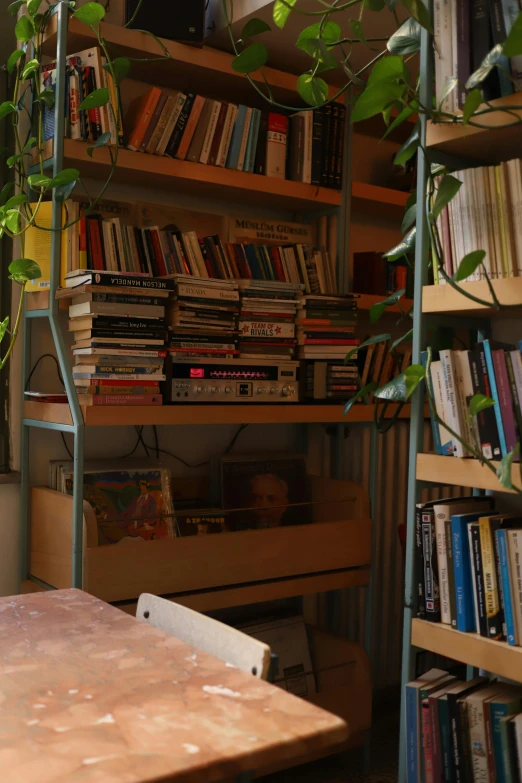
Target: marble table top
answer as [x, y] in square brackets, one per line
[90, 694]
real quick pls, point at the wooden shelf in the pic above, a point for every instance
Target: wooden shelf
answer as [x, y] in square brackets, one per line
[461, 472]
[206, 70]
[378, 200]
[489, 144]
[291, 413]
[496, 657]
[445, 299]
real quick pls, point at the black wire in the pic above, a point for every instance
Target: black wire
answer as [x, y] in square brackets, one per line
[66, 446]
[44, 356]
[156, 441]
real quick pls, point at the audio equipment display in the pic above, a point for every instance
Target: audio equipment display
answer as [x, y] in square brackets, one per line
[239, 380]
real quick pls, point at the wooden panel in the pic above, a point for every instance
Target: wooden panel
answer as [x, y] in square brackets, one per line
[364, 194]
[487, 144]
[444, 298]
[28, 586]
[37, 300]
[344, 499]
[209, 601]
[495, 657]
[60, 413]
[461, 472]
[118, 573]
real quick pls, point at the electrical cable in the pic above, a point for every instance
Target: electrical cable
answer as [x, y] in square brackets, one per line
[44, 356]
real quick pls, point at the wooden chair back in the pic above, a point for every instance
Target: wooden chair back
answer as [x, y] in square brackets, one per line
[206, 634]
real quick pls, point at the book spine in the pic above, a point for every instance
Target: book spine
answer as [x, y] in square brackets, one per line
[462, 570]
[137, 133]
[509, 761]
[179, 128]
[515, 576]
[502, 546]
[455, 739]
[317, 145]
[428, 749]
[495, 525]
[339, 152]
[439, 399]
[512, 378]
[212, 123]
[276, 145]
[334, 130]
[477, 737]
[190, 127]
[494, 395]
[296, 149]
[463, 49]
[412, 711]
[123, 399]
[419, 565]
[435, 429]
[227, 136]
[237, 135]
[491, 598]
[194, 291]
[506, 403]
[442, 560]
[117, 281]
[327, 144]
[498, 28]
[160, 105]
[445, 741]
[452, 595]
[435, 741]
[486, 421]
[497, 712]
[125, 299]
[260, 156]
[95, 243]
[244, 140]
[478, 576]
[453, 413]
[431, 577]
[252, 141]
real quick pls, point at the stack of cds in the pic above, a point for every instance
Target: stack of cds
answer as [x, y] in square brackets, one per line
[202, 319]
[267, 319]
[118, 323]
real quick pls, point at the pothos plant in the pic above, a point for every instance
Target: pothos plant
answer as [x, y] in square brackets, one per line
[25, 112]
[385, 85]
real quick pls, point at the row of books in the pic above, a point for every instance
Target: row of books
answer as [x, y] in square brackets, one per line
[373, 274]
[378, 364]
[492, 369]
[306, 147]
[463, 731]
[110, 245]
[468, 561]
[465, 33]
[326, 329]
[85, 73]
[484, 215]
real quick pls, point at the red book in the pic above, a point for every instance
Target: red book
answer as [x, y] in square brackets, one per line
[82, 243]
[435, 740]
[158, 253]
[278, 266]
[401, 274]
[216, 140]
[427, 746]
[242, 262]
[203, 350]
[317, 341]
[96, 252]
[120, 399]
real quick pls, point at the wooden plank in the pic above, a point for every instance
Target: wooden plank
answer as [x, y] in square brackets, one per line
[222, 598]
[461, 472]
[28, 586]
[490, 143]
[497, 657]
[364, 192]
[59, 413]
[444, 298]
[37, 300]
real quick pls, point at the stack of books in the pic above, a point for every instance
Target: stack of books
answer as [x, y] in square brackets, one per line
[118, 325]
[306, 148]
[467, 731]
[326, 326]
[484, 215]
[464, 36]
[267, 319]
[202, 319]
[493, 369]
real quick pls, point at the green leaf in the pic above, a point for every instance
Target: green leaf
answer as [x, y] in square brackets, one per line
[13, 59]
[7, 107]
[12, 221]
[31, 67]
[312, 89]
[282, 11]
[357, 30]
[251, 59]
[448, 189]
[254, 27]
[24, 29]
[419, 12]
[375, 99]
[504, 468]
[404, 248]
[15, 201]
[23, 269]
[96, 98]
[449, 85]
[65, 177]
[374, 5]
[101, 141]
[388, 69]
[4, 193]
[29, 143]
[513, 43]
[377, 310]
[3, 327]
[360, 395]
[406, 40]
[473, 101]
[412, 200]
[377, 338]
[90, 13]
[315, 42]
[404, 115]
[13, 8]
[409, 148]
[478, 403]
[410, 216]
[400, 388]
[38, 181]
[488, 63]
[468, 265]
[437, 169]
[47, 96]
[33, 6]
[12, 159]
[121, 67]
[399, 340]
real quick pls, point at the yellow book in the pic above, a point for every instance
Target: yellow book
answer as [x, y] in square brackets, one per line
[38, 248]
[491, 594]
[503, 224]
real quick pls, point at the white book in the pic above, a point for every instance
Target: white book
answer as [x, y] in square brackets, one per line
[74, 104]
[508, 219]
[226, 138]
[266, 329]
[454, 415]
[438, 396]
[487, 221]
[133, 247]
[476, 705]
[198, 256]
[514, 540]
[110, 261]
[108, 351]
[495, 218]
[171, 124]
[464, 393]
[454, 53]
[244, 140]
[443, 51]
[189, 254]
[209, 135]
[515, 188]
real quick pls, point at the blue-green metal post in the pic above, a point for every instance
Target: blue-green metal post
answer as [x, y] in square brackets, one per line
[24, 459]
[417, 406]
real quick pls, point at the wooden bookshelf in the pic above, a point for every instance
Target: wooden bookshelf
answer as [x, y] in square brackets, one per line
[461, 472]
[291, 413]
[470, 648]
[444, 299]
[204, 69]
[489, 144]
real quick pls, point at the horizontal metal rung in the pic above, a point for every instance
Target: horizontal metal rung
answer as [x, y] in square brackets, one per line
[38, 313]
